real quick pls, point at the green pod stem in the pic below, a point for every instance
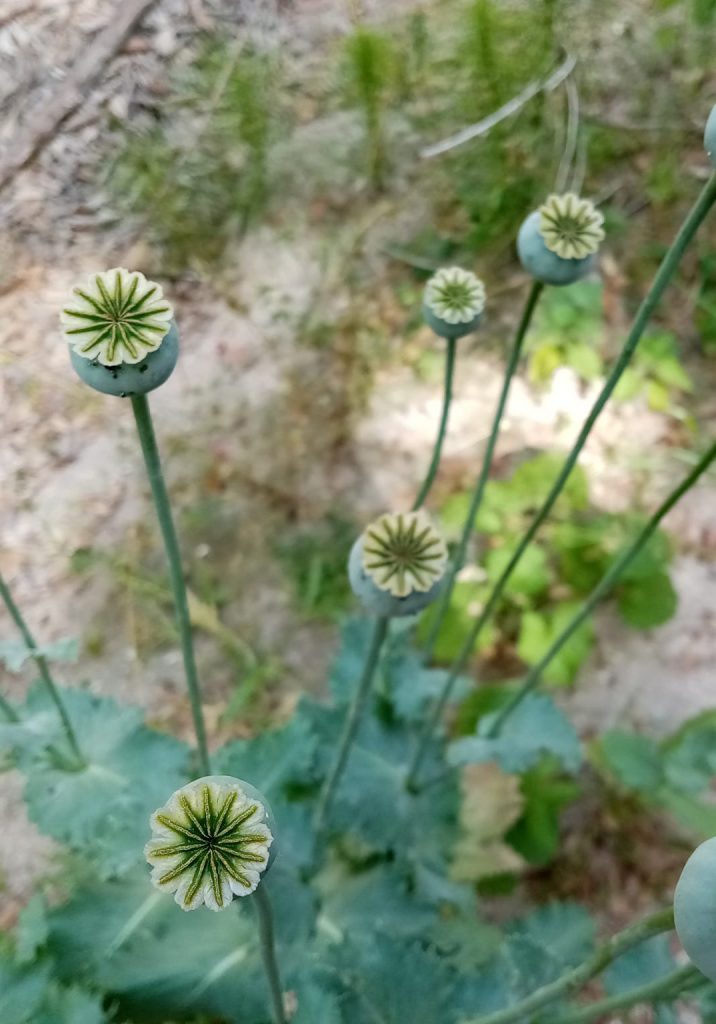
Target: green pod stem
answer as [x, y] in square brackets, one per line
[45, 675]
[442, 429]
[264, 917]
[668, 987]
[148, 441]
[479, 491]
[663, 276]
[604, 586]
[351, 723]
[571, 981]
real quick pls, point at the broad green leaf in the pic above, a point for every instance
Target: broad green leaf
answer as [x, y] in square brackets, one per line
[158, 961]
[539, 630]
[584, 360]
[647, 602]
[545, 791]
[531, 576]
[634, 761]
[274, 762]
[70, 1006]
[16, 652]
[646, 962]
[103, 810]
[466, 603]
[372, 803]
[411, 687]
[390, 982]
[690, 756]
[347, 666]
[22, 991]
[629, 385]
[536, 727]
[567, 930]
[375, 900]
[32, 930]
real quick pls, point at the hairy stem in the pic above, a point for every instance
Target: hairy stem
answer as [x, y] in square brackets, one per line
[469, 527]
[148, 441]
[668, 987]
[602, 589]
[605, 954]
[264, 916]
[663, 276]
[350, 726]
[43, 669]
[438, 447]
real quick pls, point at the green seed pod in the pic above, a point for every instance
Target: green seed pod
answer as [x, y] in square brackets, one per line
[397, 565]
[710, 136]
[453, 302]
[557, 243]
[122, 336]
[211, 842]
[695, 908]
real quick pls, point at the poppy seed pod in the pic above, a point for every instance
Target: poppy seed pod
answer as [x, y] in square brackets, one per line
[121, 333]
[397, 565]
[210, 842]
[710, 136]
[557, 244]
[695, 908]
[453, 302]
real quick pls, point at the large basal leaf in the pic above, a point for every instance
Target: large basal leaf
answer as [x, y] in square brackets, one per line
[16, 652]
[22, 990]
[567, 930]
[411, 687]
[163, 963]
[372, 802]
[385, 981]
[347, 666]
[535, 728]
[32, 930]
[103, 809]
[276, 761]
[374, 900]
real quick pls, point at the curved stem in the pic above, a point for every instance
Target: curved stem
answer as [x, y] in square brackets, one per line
[148, 441]
[605, 954]
[670, 986]
[351, 723]
[602, 589]
[44, 670]
[664, 274]
[438, 447]
[476, 502]
[264, 917]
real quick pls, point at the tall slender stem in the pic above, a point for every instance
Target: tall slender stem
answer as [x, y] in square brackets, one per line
[478, 493]
[44, 670]
[148, 441]
[602, 589]
[670, 986]
[605, 954]
[352, 720]
[438, 447]
[664, 274]
[264, 916]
